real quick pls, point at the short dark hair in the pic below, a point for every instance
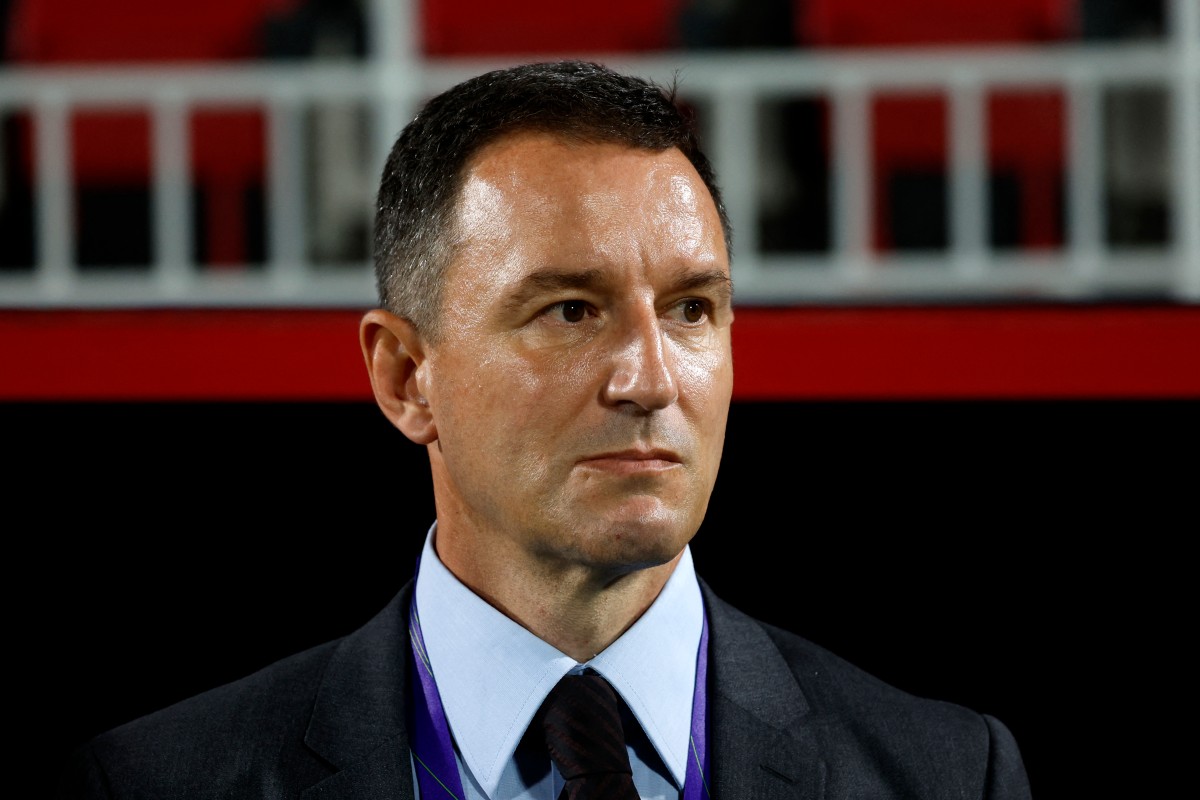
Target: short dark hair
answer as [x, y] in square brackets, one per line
[420, 186]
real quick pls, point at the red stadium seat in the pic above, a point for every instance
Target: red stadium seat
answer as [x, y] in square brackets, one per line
[113, 148]
[542, 27]
[1024, 130]
[871, 23]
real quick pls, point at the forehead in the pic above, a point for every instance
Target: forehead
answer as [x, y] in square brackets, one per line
[598, 202]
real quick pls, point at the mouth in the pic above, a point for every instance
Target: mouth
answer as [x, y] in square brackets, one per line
[633, 460]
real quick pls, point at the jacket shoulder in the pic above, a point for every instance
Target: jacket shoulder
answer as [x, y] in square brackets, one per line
[244, 739]
[871, 738]
[930, 747]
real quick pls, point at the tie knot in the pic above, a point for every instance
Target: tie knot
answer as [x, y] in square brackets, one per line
[581, 718]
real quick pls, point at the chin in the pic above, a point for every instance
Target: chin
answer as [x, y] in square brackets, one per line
[640, 541]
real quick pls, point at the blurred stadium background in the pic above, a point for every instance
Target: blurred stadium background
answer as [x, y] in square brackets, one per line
[967, 265]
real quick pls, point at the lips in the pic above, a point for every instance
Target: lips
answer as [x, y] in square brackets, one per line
[633, 460]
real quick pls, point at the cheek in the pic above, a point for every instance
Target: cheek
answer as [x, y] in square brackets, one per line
[705, 376]
[556, 382]
[517, 402]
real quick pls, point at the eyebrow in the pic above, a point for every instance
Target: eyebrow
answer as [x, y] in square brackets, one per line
[550, 281]
[713, 280]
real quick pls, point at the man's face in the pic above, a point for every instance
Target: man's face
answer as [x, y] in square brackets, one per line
[581, 377]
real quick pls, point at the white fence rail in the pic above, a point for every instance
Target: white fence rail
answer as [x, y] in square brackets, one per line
[728, 88]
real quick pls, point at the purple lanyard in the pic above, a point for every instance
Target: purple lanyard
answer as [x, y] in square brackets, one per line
[437, 768]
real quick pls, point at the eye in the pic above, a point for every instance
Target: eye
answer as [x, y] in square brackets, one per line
[692, 310]
[570, 310]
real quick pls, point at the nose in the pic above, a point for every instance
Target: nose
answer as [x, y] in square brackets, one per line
[642, 373]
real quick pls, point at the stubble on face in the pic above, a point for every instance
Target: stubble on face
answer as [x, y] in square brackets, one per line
[584, 444]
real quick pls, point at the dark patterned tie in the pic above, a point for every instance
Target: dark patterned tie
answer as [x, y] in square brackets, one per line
[582, 722]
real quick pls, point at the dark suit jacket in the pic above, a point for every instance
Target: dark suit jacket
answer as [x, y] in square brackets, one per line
[787, 719]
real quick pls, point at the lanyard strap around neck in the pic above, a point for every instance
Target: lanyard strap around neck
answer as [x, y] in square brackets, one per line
[433, 749]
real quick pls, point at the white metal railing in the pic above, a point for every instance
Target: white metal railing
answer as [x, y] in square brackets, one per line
[727, 87]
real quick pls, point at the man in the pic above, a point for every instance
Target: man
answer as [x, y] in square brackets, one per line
[553, 266]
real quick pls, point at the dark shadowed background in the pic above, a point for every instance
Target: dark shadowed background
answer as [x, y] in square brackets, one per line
[1021, 558]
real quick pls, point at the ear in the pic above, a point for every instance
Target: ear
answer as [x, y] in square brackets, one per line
[395, 355]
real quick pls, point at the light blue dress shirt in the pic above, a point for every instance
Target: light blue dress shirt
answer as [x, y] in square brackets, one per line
[492, 676]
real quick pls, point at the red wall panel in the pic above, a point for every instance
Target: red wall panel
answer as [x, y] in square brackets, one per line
[1033, 352]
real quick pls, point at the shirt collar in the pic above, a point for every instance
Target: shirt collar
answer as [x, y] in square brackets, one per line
[492, 674]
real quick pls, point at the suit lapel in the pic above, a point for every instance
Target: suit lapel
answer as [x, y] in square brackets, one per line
[358, 723]
[759, 746]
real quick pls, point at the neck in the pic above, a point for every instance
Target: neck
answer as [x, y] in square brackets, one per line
[579, 609]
